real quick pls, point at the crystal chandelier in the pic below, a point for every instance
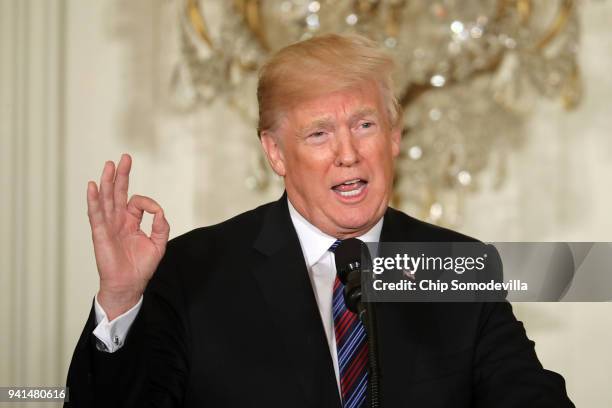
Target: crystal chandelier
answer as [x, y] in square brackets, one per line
[469, 73]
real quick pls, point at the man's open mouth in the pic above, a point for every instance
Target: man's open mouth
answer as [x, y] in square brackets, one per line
[350, 188]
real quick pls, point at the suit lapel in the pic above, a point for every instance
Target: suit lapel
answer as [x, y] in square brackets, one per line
[393, 230]
[283, 279]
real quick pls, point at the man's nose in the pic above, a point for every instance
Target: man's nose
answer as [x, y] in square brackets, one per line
[347, 153]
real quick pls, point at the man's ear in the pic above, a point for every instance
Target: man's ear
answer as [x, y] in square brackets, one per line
[396, 138]
[271, 145]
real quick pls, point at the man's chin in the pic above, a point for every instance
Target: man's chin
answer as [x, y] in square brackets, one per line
[356, 224]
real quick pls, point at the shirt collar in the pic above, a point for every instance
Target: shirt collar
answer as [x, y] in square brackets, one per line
[315, 242]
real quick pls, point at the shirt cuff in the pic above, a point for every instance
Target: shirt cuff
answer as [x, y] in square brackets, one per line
[111, 335]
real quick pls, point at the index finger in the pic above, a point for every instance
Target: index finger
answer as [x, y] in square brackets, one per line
[122, 181]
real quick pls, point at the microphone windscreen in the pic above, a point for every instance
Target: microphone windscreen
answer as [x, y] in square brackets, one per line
[348, 252]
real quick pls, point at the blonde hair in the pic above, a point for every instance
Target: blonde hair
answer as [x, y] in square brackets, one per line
[322, 65]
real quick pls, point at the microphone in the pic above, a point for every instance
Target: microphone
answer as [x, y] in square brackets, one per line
[349, 255]
[348, 267]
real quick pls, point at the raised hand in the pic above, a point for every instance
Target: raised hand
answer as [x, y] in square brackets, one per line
[125, 256]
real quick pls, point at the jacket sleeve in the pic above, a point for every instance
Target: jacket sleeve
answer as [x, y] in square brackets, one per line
[507, 372]
[150, 369]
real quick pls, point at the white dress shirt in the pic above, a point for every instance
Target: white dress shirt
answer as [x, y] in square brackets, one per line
[321, 270]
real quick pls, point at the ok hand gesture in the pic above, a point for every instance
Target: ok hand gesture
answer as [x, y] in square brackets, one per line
[126, 256]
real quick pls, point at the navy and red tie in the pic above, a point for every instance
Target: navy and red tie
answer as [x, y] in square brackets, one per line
[352, 346]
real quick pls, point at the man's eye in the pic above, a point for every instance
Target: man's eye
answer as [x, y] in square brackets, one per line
[367, 125]
[316, 134]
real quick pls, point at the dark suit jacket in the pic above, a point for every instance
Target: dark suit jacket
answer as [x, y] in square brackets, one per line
[230, 320]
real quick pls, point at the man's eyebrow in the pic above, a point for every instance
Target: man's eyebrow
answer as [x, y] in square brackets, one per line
[328, 121]
[323, 122]
[363, 112]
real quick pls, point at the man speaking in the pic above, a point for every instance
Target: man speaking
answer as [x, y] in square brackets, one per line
[249, 312]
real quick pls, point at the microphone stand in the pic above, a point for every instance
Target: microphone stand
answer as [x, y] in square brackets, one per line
[367, 315]
[348, 265]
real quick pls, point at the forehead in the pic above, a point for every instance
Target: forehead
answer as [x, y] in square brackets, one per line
[365, 100]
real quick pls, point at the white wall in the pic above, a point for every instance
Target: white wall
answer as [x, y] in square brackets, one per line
[31, 193]
[99, 89]
[560, 189]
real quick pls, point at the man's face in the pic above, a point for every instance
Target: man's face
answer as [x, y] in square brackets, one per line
[336, 154]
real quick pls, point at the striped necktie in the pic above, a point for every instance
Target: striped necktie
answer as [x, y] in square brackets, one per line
[352, 349]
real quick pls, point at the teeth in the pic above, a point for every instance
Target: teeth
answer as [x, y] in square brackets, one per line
[351, 193]
[351, 181]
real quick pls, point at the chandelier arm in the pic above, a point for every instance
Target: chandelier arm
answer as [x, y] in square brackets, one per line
[502, 7]
[524, 8]
[570, 96]
[393, 20]
[413, 91]
[250, 11]
[561, 20]
[197, 22]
